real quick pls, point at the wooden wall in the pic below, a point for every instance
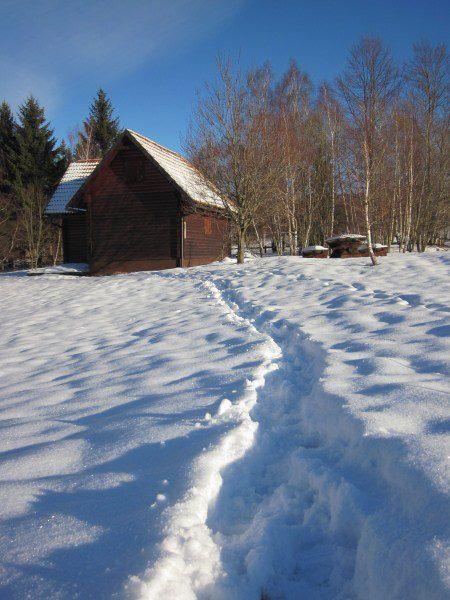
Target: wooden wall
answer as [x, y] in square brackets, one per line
[206, 238]
[133, 216]
[74, 238]
[134, 219]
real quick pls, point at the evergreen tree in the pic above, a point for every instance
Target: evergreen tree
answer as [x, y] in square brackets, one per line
[66, 154]
[38, 162]
[36, 169]
[8, 147]
[105, 128]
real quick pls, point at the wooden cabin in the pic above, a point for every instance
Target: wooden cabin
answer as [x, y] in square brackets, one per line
[351, 245]
[141, 207]
[345, 245]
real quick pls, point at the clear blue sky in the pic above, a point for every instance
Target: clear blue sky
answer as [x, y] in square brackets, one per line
[153, 55]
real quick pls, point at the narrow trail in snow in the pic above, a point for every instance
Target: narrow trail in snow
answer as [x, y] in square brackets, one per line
[271, 518]
[189, 559]
[311, 505]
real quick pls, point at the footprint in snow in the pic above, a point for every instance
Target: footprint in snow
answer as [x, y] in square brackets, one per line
[159, 498]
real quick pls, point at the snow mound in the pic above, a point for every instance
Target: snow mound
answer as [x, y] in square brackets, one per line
[64, 269]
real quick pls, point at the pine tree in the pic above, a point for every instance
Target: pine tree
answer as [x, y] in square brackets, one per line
[105, 128]
[8, 147]
[38, 162]
[66, 154]
[37, 167]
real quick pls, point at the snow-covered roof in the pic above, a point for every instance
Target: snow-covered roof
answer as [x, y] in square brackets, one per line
[364, 247]
[76, 174]
[178, 169]
[345, 236]
[314, 249]
[181, 171]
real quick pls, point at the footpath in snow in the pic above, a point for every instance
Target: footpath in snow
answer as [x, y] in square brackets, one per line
[110, 391]
[344, 492]
[278, 429]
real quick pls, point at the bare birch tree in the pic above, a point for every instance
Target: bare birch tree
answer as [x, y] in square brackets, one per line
[332, 111]
[33, 203]
[368, 86]
[428, 88]
[227, 140]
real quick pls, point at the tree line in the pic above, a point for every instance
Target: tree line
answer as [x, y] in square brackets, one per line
[31, 165]
[367, 153]
[295, 163]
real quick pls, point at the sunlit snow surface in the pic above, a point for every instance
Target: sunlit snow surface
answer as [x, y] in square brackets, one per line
[281, 426]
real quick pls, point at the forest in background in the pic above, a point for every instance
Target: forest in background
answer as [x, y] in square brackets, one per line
[368, 154]
[295, 163]
[31, 165]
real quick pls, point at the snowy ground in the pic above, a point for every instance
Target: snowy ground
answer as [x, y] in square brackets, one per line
[279, 427]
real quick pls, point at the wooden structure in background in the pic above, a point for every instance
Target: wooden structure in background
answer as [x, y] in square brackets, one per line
[142, 207]
[315, 252]
[351, 245]
[378, 250]
[345, 245]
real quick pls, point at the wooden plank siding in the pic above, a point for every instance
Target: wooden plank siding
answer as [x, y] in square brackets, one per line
[133, 216]
[206, 238]
[74, 229]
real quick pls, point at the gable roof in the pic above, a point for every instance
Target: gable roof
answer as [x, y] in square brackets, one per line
[179, 170]
[76, 174]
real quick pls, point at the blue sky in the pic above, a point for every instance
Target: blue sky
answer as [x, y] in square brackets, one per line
[152, 56]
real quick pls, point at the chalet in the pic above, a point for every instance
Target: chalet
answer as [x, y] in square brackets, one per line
[141, 207]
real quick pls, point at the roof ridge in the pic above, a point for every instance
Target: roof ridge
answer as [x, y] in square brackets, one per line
[195, 171]
[177, 154]
[206, 181]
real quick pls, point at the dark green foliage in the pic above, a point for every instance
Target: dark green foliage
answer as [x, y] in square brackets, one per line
[66, 154]
[104, 127]
[38, 162]
[8, 147]
[32, 164]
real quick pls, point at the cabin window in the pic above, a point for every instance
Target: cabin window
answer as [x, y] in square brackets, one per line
[207, 225]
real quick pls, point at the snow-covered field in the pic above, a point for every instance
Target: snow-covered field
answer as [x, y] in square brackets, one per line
[276, 429]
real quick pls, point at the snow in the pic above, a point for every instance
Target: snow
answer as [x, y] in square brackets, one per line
[278, 426]
[364, 247]
[64, 269]
[314, 249]
[74, 177]
[182, 172]
[345, 236]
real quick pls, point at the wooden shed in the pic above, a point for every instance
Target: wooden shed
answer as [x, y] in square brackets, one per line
[141, 207]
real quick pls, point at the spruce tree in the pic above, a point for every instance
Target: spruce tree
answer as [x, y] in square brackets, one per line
[105, 128]
[37, 167]
[39, 162]
[8, 147]
[66, 154]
